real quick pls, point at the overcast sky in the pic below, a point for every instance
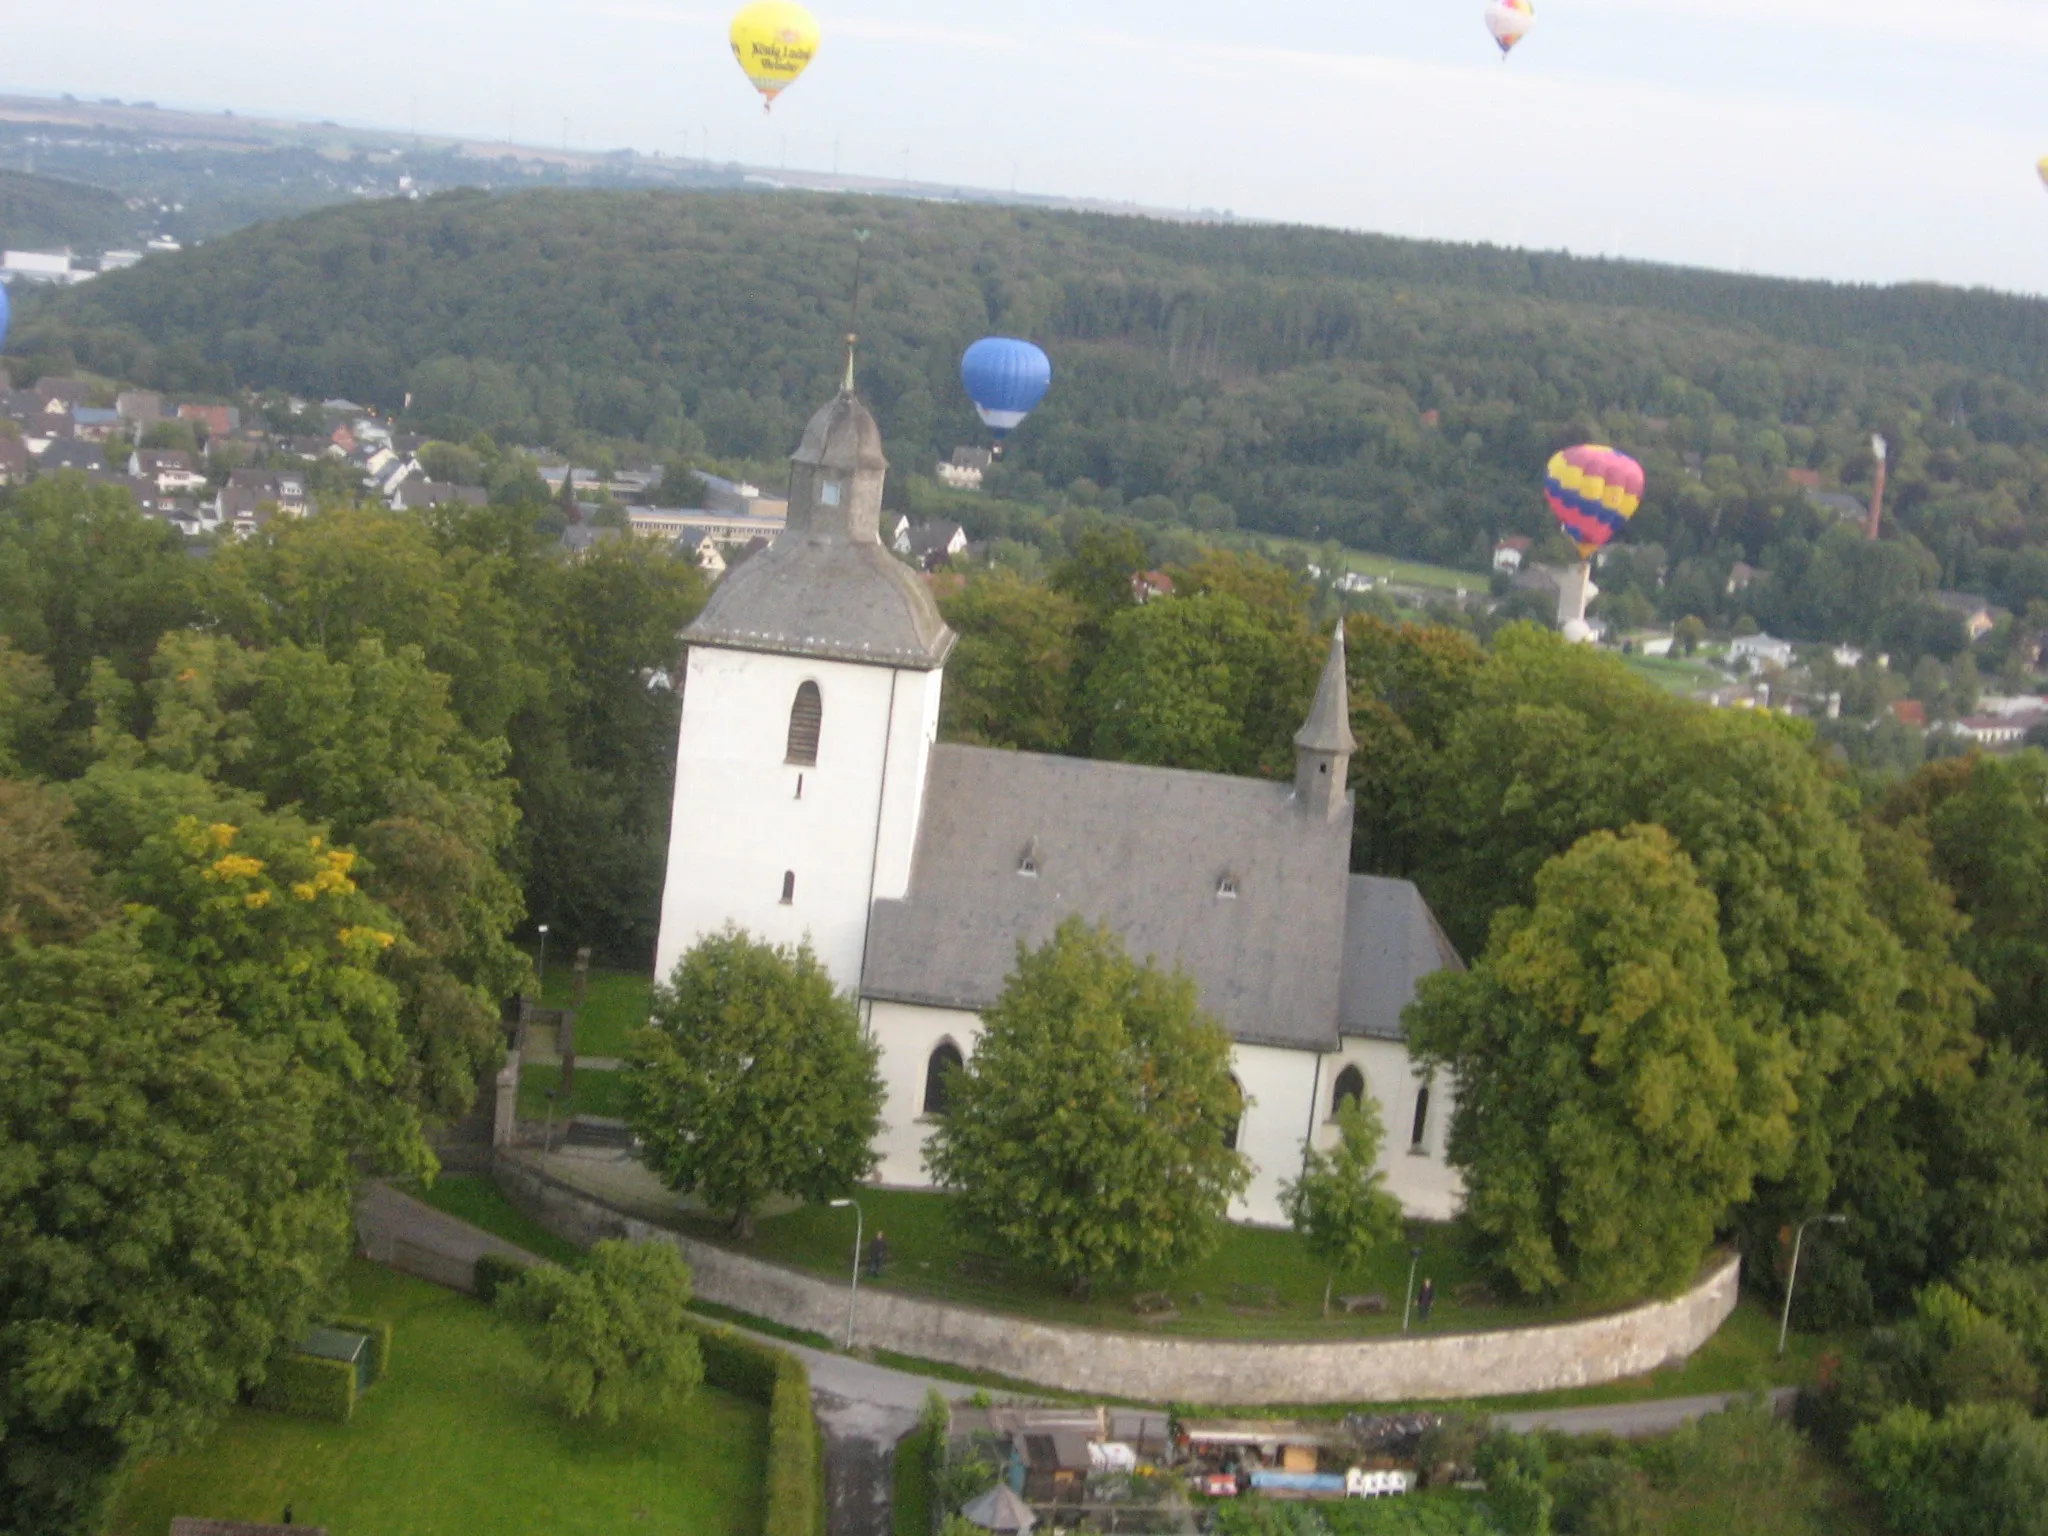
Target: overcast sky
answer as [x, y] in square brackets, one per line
[1859, 139]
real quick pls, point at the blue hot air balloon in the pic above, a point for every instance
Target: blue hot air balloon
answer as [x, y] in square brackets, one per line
[1005, 378]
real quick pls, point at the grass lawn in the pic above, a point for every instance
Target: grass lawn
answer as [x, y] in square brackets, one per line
[457, 1440]
[1675, 674]
[595, 1093]
[1413, 573]
[614, 1006]
[927, 1256]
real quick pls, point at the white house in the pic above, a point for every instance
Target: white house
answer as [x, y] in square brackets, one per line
[1509, 554]
[810, 719]
[1760, 651]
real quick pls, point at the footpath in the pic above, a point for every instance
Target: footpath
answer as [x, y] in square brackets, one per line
[865, 1409]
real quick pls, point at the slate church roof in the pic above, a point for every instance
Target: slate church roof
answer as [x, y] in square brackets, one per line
[1227, 878]
[827, 587]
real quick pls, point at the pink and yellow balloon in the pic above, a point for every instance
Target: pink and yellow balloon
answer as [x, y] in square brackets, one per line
[1509, 21]
[1593, 491]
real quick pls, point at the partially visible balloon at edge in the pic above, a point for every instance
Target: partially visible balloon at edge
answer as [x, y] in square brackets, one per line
[6, 314]
[773, 40]
[1593, 491]
[2043, 169]
[1509, 21]
[1005, 378]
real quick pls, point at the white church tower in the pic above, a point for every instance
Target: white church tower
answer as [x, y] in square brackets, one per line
[810, 705]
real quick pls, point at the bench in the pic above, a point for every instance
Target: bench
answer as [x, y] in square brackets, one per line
[1154, 1304]
[1363, 1301]
[1265, 1298]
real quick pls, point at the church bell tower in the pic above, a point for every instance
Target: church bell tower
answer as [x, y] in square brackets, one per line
[810, 705]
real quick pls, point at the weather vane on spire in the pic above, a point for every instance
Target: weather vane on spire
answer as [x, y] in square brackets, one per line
[860, 237]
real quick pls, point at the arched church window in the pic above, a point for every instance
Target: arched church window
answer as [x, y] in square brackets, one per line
[1350, 1085]
[1421, 1118]
[945, 1059]
[1236, 1121]
[806, 716]
[788, 887]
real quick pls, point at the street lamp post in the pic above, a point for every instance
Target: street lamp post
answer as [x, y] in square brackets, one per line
[543, 959]
[1832, 1219]
[1408, 1301]
[853, 1289]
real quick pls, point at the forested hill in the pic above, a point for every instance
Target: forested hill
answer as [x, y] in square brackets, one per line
[1398, 395]
[37, 213]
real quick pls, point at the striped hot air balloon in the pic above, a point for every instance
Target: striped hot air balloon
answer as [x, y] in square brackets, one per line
[1593, 491]
[1509, 21]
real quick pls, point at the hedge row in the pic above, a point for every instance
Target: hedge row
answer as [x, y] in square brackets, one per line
[379, 1331]
[307, 1387]
[796, 1452]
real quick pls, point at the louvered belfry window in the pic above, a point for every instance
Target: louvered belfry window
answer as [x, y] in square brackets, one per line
[806, 715]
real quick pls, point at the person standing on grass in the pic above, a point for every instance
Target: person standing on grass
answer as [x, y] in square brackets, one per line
[878, 1255]
[1426, 1298]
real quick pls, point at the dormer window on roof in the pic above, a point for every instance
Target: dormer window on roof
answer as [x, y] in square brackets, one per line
[1226, 886]
[1028, 863]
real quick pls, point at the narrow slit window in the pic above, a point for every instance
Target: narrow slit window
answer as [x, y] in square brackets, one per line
[788, 887]
[1421, 1119]
[1350, 1085]
[799, 786]
[828, 493]
[806, 719]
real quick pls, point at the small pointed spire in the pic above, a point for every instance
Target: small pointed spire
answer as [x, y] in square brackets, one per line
[852, 341]
[1328, 728]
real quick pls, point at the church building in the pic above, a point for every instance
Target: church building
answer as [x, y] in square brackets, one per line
[814, 801]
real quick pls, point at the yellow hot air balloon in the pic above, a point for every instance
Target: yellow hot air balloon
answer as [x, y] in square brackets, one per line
[2043, 169]
[774, 41]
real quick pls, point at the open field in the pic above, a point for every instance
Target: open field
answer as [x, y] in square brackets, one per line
[1675, 674]
[1411, 573]
[457, 1439]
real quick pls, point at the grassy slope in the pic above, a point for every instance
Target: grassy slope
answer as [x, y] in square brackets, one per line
[1675, 674]
[926, 1256]
[458, 1440]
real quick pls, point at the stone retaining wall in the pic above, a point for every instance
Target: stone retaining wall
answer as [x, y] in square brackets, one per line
[1163, 1369]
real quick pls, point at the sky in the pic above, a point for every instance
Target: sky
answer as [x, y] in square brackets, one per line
[1860, 140]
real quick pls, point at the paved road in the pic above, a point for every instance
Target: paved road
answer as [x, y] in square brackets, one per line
[863, 1409]
[1636, 1420]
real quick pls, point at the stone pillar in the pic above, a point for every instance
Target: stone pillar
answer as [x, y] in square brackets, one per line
[505, 1114]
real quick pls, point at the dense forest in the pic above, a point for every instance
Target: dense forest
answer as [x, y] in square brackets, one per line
[1395, 395]
[37, 213]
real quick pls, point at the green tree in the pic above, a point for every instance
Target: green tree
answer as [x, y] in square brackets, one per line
[1612, 1104]
[159, 1235]
[612, 1336]
[1086, 1136]
[256, 915]
[753, 1078]
[49, 892]
[1689, 634]
[1340, 1204]
[1009, 681]
[1979, 1471]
